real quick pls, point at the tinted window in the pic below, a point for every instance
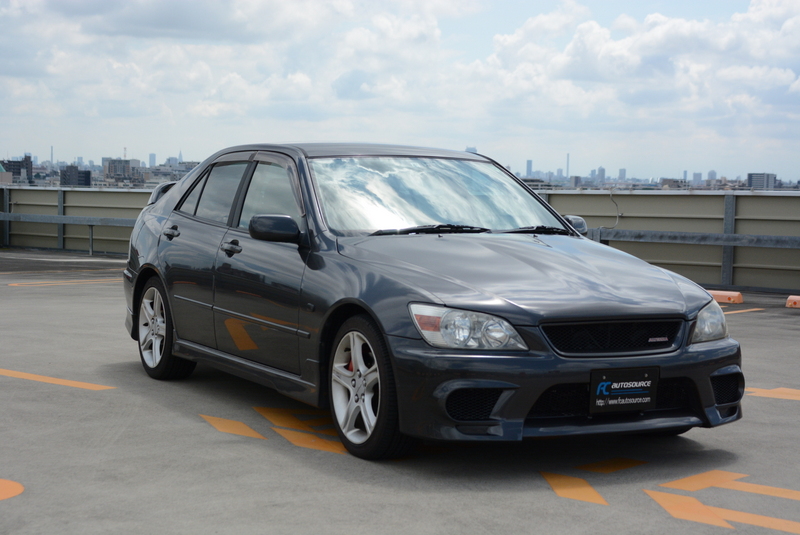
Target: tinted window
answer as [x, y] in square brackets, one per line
[270, 192]
[217, 197]
[189, 204]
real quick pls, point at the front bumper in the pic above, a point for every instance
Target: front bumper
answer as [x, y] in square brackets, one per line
[511, 396]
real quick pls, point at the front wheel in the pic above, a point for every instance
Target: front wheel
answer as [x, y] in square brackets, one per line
[362, 393]
[155, 335]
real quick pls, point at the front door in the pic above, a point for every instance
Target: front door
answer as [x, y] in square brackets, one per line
[258, 283]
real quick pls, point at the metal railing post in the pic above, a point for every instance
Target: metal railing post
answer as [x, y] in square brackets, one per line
[60, 212]
[728, 227]
[6, 224]
[91, 240]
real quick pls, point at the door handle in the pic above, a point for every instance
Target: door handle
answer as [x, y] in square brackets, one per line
[172, 232]
[231, 248]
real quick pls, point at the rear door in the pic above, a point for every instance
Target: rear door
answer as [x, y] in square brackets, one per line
[188, 247]
[258, 283]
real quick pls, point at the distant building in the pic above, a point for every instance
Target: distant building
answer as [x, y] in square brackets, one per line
[712, 175]
[529, 168]
[622, 173]
[601, 174]
[5, 176]
[697, 179]
[574, 181]
[21, 170]
[118, 170]
[73, 176]
[593, 174]
[152, 159]
[473, 150]
[672, 183]
[559, 173]
[684, 175]
[761, 180]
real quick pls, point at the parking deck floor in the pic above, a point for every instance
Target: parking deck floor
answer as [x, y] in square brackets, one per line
[90, 444]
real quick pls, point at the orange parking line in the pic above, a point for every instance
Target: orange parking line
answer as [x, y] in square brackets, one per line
[64, 283]
[573, 488]
[307, 440]
[232, 427]
[741, 311]
[53, 380]
[56, 271]
[776, 393]
[9, 489]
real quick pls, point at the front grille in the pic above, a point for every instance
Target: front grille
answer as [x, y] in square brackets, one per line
[579, 339]
[565, 400]
[572, 399]
[677, 393]
[727, 388]
[472, 404]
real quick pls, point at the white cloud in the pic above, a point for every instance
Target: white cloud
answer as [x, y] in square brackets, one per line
[353, 69]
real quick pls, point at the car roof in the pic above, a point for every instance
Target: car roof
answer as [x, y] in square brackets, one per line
[321, 150]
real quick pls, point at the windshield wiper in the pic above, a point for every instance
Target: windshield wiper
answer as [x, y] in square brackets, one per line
[541, 229]
[430, 229]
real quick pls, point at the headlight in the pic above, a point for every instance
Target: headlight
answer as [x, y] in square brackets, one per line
[710, 324]
[453, 328]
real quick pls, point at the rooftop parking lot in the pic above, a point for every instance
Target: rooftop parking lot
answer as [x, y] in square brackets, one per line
[91, 444]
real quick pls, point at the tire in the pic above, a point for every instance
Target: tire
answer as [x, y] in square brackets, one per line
[362, 393]
[155, 335]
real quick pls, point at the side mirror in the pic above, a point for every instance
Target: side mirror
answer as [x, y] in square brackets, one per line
[276, 228]
[578, 223]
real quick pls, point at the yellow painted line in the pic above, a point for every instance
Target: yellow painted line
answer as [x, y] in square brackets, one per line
[726, 297]
[611, 465]
[728, 480]
[573, 488]
[287, 418]
[307, 440]
[9, 489]
[232, 426]
[742, 311]
[793, 301]
[65, 283]
[688, 508]
[777, 393]
[57, 271]
[53, 380]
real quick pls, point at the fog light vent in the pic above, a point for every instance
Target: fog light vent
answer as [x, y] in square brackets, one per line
[472, 404]
[727, 388]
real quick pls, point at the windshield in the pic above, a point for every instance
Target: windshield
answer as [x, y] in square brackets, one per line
[365, 194]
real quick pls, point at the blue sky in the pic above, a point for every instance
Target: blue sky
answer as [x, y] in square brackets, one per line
[655, 87]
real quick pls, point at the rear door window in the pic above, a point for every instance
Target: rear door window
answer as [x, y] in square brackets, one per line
[219, 191]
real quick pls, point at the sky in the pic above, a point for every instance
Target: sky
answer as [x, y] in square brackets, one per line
[655, 87]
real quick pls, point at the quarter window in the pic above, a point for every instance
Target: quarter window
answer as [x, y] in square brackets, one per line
[189, 204]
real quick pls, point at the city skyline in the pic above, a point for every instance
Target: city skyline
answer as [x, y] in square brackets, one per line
[655, 87]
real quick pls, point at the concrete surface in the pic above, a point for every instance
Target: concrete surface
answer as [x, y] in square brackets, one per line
[141, 458]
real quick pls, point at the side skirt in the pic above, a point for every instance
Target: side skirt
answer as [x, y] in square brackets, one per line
[286, 383]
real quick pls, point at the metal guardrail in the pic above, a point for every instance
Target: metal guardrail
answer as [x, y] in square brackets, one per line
[91, 222]
[727, 241]
[695, 238]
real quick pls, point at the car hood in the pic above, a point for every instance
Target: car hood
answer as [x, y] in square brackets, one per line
[527, 278]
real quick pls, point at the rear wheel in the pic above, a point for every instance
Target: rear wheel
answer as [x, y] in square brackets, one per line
[155, 335]
[362, 393]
